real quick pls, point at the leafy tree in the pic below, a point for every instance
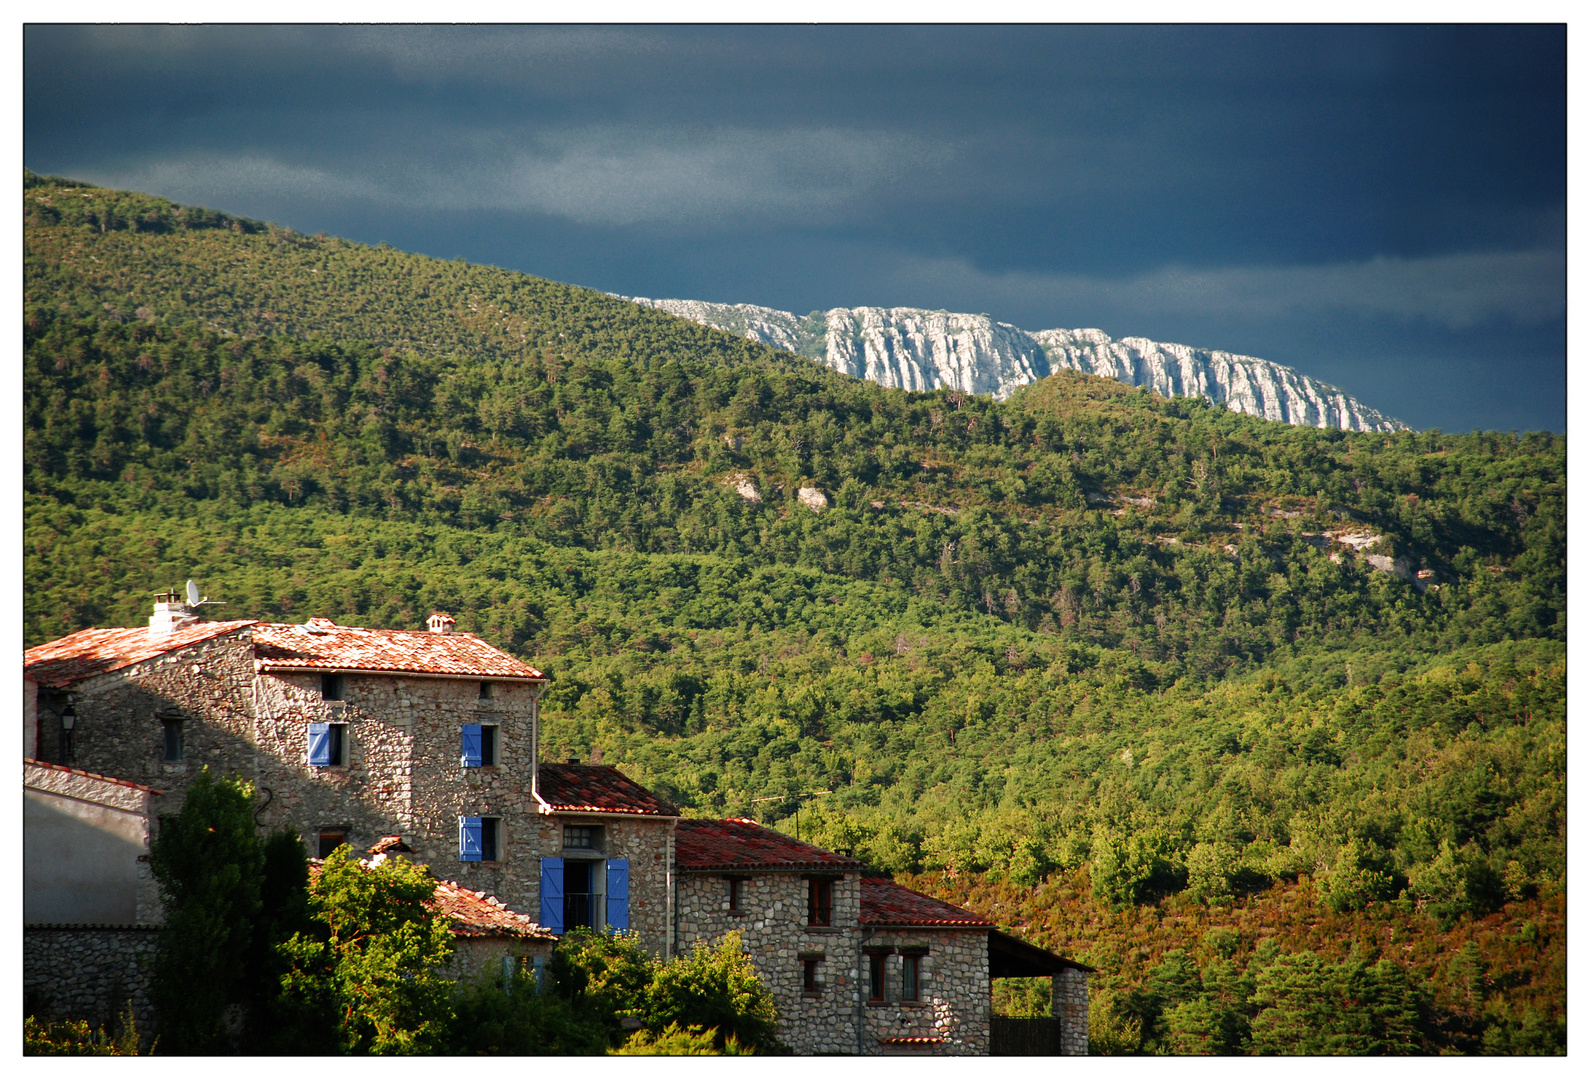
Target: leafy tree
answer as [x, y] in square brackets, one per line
[78, 1038]
[520, 1020]
[676, 1041]
[208, 862]
[716, 987]
[375, 956]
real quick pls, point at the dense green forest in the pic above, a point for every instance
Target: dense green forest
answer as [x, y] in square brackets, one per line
[1125, 658]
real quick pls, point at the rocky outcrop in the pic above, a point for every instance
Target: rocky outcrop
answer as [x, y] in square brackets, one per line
[916, 349]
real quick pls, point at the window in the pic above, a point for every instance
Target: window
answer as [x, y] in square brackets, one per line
[477, 839]
[582, 837]
[579, 896]
[485, 691]
[820, 902]
[479, 742]
[331, 687]
[736, 894]
[572, 893]
[330, 840]
[809, 983]
[173, 738]
[910, 977]
[875, 970]
[328, 745]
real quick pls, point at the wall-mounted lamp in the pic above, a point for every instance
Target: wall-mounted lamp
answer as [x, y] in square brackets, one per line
[68, 717]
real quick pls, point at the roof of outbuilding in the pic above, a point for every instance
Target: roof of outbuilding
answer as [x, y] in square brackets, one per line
[469, 913]
[472, 914]
[597, 789]
[884, 903]
[705, 844]
[322, 645]
[87, 653]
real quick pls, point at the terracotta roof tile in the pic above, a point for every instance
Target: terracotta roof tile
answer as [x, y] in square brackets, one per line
[88, 653]
[322, 645]
[469, 913]
[702, 844]
[597, 789]
[473, 914]
[883, 903]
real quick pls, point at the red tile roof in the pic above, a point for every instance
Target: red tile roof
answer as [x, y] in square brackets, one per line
[469, 913]
[883, 903]
[598, 789]
[322, 645]
[703, 844]
[91, 775]
[472, 914]
[88, 653]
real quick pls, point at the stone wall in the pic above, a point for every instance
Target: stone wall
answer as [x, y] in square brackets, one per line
[772, 923]
[952, 996]
[1070, 1007]
[89, 973]
[480, 958]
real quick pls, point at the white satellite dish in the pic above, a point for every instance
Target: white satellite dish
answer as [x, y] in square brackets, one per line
[193, 594]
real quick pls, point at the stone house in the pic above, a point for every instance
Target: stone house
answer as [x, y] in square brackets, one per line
[428, 742]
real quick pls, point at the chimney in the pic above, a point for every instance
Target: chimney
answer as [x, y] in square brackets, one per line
[171, 613]
[440, 623]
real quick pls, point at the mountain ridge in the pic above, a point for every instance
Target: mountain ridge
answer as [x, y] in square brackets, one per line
[918, 349]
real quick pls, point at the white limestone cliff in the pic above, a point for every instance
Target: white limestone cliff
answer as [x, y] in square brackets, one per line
[915, 349]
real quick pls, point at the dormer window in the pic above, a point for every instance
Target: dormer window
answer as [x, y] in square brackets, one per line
[331, 687]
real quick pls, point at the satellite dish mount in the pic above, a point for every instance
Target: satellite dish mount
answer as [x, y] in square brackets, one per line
[195, 600]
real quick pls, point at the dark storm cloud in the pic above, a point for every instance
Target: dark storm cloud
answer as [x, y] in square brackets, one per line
[1272, 185]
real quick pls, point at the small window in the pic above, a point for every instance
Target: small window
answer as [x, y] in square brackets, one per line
[328, 745]
[875, 971]
[477, 839]
[809, 983]
[820, 902]
[910, 978]
[736, 891]
[485, 691]
[173, 738]
[331, 687]
[330, 840]
[479, 743]
[582, 837]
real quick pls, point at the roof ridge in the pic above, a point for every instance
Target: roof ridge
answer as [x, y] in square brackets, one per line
[92, 775]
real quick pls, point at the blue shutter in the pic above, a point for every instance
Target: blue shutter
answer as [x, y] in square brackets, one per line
[320, 744]
[552, 895]
[618, 894]
[470, 839]
[471, 741]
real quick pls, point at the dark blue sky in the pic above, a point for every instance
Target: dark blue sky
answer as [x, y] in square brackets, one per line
[1380, 207]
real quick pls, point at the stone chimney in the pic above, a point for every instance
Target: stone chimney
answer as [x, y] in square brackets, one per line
[171, 613]
[440, 623]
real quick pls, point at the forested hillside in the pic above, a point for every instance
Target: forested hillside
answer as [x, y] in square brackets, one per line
[1118, 656]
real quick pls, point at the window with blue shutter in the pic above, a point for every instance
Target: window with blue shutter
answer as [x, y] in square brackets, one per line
[471, 839]
[552, 894]
[473, 758]
[618, 894]
[320, 744]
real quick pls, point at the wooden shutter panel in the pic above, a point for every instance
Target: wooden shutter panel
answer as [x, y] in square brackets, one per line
[320, 744]
[618, 894]
[469, 839]
[552, 894]
[471, 744]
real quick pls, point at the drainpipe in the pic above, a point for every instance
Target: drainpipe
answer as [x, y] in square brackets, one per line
[861, 991]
